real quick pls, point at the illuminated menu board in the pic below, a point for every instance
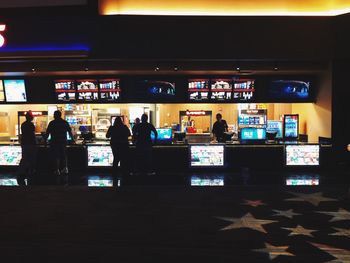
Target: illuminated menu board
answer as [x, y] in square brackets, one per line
[15, 90]
[243, 89]
[221, 89]
[198, 89]
[2, 92]
[65, 90]
[109, 89]
[87, 90]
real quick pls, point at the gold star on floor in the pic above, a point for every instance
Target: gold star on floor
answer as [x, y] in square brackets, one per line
[341, 232]
[247, 221]
[286, 213]
[342, 214]
[341, 255]
[253, 203]
[313, 199]
[274, 251]
[299, 230]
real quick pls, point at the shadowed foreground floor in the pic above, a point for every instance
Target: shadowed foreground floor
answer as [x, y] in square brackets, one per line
[174, 224]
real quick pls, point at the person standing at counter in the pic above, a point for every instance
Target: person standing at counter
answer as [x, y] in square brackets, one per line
[58, 129]
[137, 122]
[119, 134]
[29, 150]
[219, 128]
[144, 144]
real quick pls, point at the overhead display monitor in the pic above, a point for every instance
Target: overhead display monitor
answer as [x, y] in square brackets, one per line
[275, 127]
[10, 155]
[221, 89]
[198, 89]
[100, 156]
[65, 90]
[15, 90]
[109, 89]
[243, 90]
[2, 92]
[252, 134]
[291, 127]
[207, 155]
[302, 155]
[87, 89]
[289, 89]
[153, 90]
[165, 135]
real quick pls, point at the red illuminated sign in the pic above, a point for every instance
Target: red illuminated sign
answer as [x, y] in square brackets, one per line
[2, 39]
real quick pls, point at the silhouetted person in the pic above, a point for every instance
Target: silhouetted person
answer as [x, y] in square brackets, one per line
[29, 150]
[219, 128]
[119, 134]
[144, 144]
[58, 129]
[134, 135]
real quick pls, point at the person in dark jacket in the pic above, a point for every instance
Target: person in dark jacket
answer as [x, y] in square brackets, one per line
[119, 134]
[58, 129]
[29, 150]
[219, 128]
[134, 135]
[144, 144]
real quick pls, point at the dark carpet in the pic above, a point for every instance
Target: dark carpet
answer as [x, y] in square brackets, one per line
[175, 224]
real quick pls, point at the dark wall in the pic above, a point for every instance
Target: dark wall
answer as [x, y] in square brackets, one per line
[213, 37]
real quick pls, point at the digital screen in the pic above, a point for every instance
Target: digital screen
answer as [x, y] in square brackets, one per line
[291, 129]
[253, 134]
[221, 89]
[289, 89]
[160, 88]
[275, 126]
[2, 92]
[97, 181]
[100, 156]
[87, 90]
[243, 89]
[15, 90]
[302, 155]
[65, 90]
[67, 136]
[207, 155]
[302, 180]
[8, 182]
[198, 89]
[207, 181]
[10, 155]
[164, 134]
[109, 89]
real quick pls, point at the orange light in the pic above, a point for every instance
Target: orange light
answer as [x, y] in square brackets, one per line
[225, 7]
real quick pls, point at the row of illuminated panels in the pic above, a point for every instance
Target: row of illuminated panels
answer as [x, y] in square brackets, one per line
[225, 89]
[200, 156]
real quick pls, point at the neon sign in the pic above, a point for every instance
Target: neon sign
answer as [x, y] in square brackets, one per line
[2, 39]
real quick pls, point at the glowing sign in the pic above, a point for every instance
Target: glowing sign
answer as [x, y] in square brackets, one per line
[2, 39]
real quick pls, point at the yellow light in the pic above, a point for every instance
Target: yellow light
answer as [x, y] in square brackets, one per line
[225, 7]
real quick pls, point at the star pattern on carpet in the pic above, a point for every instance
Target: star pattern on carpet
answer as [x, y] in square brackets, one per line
[342, 214]
[246, 221]
[340, 255]
[274, 251]
[313, 199]
[341, 232]
[286, 213]
[299, 230]
[253, 203]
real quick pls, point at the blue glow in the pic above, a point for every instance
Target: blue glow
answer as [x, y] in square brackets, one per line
[46, 48]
